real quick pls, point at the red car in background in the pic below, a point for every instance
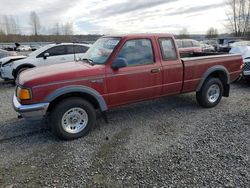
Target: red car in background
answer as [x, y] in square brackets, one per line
[188, 46]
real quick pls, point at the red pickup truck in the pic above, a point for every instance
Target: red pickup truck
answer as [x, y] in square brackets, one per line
[118, 70]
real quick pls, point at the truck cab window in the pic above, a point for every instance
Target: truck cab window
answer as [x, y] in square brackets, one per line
[168, 49]
[137, 52]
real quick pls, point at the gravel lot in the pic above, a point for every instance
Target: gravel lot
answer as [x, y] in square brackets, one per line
[169, 142]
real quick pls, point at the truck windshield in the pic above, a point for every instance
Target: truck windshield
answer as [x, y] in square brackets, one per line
[101, 50]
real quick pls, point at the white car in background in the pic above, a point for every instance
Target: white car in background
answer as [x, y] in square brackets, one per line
[207, 47]
[47, 55]
[8, 60]
[4, 53]
[245, 53]
[241, 43]
[23, 48]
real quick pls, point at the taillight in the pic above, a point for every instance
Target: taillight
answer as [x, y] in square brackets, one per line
[242, 64]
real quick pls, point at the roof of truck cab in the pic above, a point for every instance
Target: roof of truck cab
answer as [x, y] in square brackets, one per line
[141, 35]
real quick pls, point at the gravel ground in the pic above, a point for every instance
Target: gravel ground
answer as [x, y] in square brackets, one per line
[169, 142]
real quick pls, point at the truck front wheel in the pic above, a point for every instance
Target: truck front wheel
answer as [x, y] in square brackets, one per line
[72, 118]
[210, 93]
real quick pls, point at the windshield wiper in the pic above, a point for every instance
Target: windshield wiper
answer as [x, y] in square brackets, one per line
[89, 61]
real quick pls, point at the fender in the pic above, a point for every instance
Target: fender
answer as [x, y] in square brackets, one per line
[21, 66]
[80, 89]
[212, 70]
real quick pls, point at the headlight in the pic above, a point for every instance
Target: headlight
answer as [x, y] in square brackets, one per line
[23, 93]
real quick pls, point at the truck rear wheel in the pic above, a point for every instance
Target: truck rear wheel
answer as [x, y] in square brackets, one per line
[72, 118]
[210, 93]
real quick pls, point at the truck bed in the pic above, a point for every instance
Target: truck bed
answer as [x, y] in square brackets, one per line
[196, 67]
[204, 55]
[201, 54]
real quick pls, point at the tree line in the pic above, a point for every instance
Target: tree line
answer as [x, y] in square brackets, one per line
[10, 26]
[11, 31]
[237, 22]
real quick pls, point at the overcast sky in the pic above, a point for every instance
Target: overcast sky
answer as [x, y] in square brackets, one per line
[121, 16]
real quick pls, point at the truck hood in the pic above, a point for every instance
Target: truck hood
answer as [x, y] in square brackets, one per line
[59, 73]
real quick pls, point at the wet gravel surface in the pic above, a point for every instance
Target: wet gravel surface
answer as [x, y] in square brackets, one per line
[169, 142]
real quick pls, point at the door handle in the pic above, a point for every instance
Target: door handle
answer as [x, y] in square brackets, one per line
[155, 70]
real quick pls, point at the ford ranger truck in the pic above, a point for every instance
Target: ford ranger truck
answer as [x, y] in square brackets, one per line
[120, 70]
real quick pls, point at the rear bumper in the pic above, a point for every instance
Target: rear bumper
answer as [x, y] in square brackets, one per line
[246, 68]
[246, 73]
[32, 111]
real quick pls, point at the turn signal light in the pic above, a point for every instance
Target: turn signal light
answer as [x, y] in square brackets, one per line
[23, 94]
[242, 64]
[241, 67]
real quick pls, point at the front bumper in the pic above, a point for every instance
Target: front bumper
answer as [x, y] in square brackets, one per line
[31, 111]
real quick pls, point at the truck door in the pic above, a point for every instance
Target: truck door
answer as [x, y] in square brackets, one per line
[172, 67]
[140, 79]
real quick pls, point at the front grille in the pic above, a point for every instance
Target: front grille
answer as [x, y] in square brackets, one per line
[246, 66]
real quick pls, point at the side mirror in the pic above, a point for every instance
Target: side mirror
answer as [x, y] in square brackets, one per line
[119, 63]
[45, 55]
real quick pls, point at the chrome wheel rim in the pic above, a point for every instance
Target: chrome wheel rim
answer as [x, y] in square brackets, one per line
[213, 93]
[74, 120]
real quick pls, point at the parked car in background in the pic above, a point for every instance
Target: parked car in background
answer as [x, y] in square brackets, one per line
[245, 52]
[9, 48]
[4, 53]
[188, 46]
[47, 55]
[225, 44]
[9, 60]
[241, 43]
[207, 47]
[119, 70]
[23, 48]
[212, 42]
[35, 47]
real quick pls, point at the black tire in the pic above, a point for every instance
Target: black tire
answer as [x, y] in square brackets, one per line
[60, 110]
[202, 95]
